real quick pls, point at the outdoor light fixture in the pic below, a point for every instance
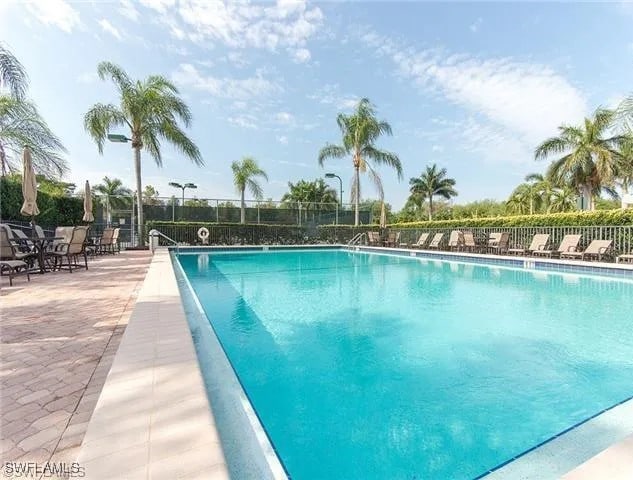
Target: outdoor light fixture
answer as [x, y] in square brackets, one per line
[333, 175]
[118, 138]
[183, 187]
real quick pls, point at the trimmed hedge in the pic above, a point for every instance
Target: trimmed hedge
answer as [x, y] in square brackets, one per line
[569, 219]
[231, 233]
[53, 210]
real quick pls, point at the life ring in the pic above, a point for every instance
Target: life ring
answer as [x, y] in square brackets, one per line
[203, 234]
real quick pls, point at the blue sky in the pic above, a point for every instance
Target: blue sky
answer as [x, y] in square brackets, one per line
[471, 86]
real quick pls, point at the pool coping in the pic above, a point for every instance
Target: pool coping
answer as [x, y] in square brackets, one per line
[153, 418]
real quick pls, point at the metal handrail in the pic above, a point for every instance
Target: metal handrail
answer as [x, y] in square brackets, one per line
[356, 239]
[171, 240]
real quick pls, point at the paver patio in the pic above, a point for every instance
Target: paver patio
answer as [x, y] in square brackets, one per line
[59, 335]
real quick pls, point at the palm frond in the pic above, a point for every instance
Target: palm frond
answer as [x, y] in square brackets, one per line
[100, 119]
[116, 74]
[331, 151]
[12, 74]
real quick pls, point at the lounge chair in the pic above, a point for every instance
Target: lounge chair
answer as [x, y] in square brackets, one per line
[116, 248]
[436, 240]
[469, 244]
[625, 258]
[421, 241]
[568, 244]
[597, 249]
[392, 239]
[12, 268]
[373, 239]
[72, 251]
[501, 246]
[456, 240]
[539, 242]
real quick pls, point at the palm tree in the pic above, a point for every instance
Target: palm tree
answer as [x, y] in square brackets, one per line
[21, 124]
[111, 190]
[360, 130]
[245, 173]
[433, 182]
[562, 199]
[151, 109]
[12, 74]
[590, 157]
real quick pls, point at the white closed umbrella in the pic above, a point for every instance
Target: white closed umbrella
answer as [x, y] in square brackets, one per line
[88, 216]
[29, 186]
[383, 217]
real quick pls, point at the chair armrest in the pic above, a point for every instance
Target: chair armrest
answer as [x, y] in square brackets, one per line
[571, 249]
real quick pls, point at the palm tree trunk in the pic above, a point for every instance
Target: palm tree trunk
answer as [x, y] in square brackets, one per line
[243, 209]
[586, 193]
[430, 207]
[139, 195]
[356, 194]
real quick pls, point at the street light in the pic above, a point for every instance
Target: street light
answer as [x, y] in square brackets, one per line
[333, 175]
[183, 187]
[119, 138]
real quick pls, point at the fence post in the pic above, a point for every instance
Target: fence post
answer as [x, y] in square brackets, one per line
[217, 211]
[258, 214]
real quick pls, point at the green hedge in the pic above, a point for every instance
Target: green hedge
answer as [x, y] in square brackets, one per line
[569, 219]
[53, 210]
[231, 233]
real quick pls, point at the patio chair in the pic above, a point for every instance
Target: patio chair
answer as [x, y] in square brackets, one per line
[597, 249]
[469, 244]
[72, 250]
[568, 244]
[103, 244]
[116, 248]
[436, 241]
[392, 239]
[421, 241]
[12, 259]
[373, 239]
[24, 244]
[12, 268]
[539, 242]
[501, 246]
[625, 258]
[455, 240]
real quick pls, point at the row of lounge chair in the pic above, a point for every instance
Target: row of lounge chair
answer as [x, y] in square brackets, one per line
[64, 251]
[499, 243]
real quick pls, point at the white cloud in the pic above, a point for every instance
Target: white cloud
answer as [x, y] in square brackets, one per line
[526, 101]
[106, 26]
[476, 25]
[330, 94]
[437, 148]
[236, 59]
[243, 24]
[282, 139]
[87, 77]
[295, 164]
[244, 121]
[301, 55]
[128, 10]
[233, 88]
[58, 13]
[285, 118]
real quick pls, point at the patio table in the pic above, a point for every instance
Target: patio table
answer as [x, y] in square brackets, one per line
[40, 244]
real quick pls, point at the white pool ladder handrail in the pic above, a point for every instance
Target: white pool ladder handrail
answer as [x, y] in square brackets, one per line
[158, 233]
[356, 239]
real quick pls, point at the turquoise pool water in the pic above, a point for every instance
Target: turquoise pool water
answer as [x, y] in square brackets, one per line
[365, 366]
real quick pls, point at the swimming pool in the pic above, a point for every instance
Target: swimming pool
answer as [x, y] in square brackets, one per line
[368, 366]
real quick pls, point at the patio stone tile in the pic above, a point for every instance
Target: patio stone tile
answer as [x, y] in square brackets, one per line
[57, 346]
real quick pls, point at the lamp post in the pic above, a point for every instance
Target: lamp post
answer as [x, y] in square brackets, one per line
[119, 138]
[183, 187]
[333, 175]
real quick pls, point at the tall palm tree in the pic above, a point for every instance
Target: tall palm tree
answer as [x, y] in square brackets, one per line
[111, 189]
[433, 182]
[151, 110]
[12, 74]
[625, 170]
[360, 131]
[245, 173]
[590, 157]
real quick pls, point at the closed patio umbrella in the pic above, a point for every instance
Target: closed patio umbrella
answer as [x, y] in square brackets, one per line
[88, 216]
[383, 217]
[29, 186]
